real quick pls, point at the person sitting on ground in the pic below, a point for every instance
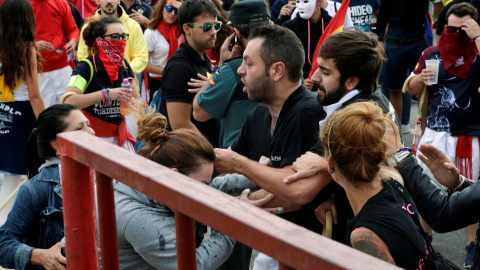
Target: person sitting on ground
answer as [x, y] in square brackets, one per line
[30, 238]
[386, 222]
[154, 246]
[95, 85]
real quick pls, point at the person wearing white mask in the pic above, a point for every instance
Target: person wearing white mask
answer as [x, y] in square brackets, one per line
[309, 24]
[332, 8]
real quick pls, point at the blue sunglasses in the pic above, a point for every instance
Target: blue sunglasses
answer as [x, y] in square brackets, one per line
[170, 8]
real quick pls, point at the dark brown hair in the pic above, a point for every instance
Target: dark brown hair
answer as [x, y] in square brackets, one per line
[95, 28]
[356, 54]
[17, 37]
[354, 138]
[462, 9]
[183, 149]
[51, 121]
[281, 45]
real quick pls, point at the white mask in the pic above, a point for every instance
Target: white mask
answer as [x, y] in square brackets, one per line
[306, 8]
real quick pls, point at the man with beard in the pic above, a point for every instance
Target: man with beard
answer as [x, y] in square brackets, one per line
[349, 63]
[453, 102]
[223, 98]
[282, 128]
[136, 52]
[198, 21]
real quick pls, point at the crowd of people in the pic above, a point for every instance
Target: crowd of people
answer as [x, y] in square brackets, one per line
[229, 94]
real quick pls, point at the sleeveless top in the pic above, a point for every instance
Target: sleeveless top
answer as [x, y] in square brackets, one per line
[391, 215]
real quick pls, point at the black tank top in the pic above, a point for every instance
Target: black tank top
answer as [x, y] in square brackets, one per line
[391, 215]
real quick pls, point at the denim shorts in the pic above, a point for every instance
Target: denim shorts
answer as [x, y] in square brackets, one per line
[400, 62]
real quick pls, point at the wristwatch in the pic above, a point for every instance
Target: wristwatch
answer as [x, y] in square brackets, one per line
[463, 185]
[398, 157]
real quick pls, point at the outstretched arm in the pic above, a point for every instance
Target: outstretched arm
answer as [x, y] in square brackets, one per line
[270, 179]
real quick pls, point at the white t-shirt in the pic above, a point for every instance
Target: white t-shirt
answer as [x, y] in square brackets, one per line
[159, 46]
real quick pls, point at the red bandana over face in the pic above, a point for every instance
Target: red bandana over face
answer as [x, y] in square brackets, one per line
[111, 53]
[458, 52]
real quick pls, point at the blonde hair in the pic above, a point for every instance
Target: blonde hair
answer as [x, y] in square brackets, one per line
[354, 137]
[182, 149]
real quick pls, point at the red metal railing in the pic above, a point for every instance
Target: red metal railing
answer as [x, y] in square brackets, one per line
[293, 246]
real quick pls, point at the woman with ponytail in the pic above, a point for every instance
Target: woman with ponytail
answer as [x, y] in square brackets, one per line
[96, 82]
[20, 99]
[163, 39]
[30, 238]
[386, 222]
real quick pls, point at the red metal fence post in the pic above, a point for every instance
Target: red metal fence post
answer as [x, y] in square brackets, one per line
[79, 215]
[107, 222]
[186, 246]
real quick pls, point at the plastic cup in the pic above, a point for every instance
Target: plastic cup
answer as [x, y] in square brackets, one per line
[434, 65]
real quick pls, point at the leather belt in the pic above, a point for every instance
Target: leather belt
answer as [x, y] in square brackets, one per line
[407, 41]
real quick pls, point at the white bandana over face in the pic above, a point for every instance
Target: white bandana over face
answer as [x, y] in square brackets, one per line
[306, 8]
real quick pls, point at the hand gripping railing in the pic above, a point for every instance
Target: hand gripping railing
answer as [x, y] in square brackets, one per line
[294, 246]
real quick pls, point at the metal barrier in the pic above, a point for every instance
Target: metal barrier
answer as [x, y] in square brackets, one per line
[293, 246]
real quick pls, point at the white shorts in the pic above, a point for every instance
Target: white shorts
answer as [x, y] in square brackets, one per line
[448, 145]
[53, 85]
[264, 262]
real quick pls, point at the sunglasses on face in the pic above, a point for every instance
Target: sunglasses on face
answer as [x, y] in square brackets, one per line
[117, 36]
[454, 29]
[208, 26]
[170, 8]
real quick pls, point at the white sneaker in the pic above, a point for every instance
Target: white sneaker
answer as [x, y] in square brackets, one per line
[405, 129]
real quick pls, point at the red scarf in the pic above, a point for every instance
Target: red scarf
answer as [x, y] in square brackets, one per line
[458, 52]
[171, 34]
[104, 129]
[111, 54]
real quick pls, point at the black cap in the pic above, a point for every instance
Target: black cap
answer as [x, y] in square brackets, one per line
[248, 11]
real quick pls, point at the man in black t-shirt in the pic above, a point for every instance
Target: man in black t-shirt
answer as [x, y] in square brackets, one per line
[282, 128]
[198, 22]
[286, 125]
[349, 64]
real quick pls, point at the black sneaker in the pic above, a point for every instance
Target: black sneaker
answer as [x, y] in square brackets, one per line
[470, 254]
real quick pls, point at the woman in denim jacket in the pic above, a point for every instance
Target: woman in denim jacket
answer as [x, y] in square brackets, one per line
[30, 238]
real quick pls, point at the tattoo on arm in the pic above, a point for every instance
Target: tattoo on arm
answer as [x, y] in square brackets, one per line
[369, 243]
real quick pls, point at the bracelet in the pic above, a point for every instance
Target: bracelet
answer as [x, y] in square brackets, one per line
[105, 98]
[398, 156]
[246, 192]
[67, 94]
[463, 185]
[402, 149]
[475, 37]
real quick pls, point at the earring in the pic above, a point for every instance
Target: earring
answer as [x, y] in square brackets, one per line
[332, 170]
